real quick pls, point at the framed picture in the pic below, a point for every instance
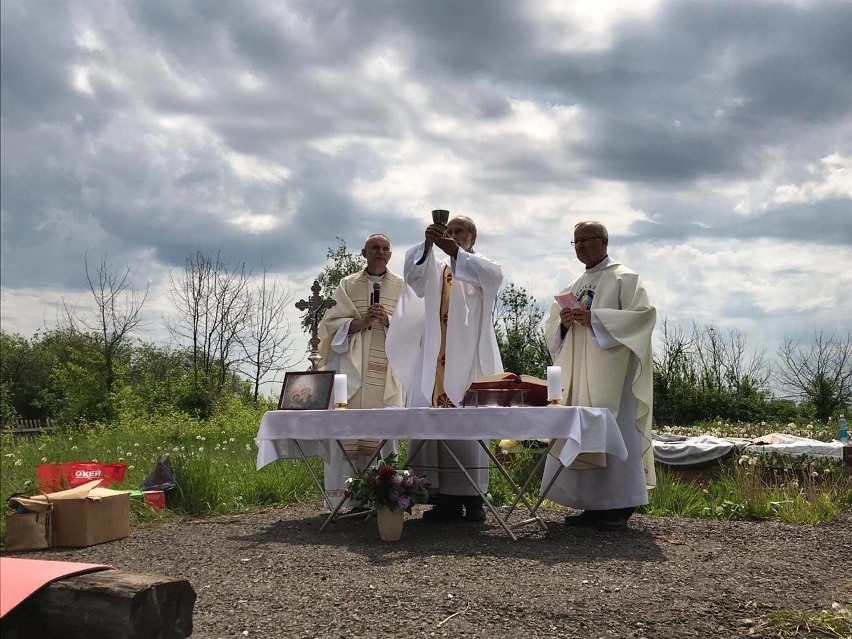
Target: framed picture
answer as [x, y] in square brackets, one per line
[309, 390]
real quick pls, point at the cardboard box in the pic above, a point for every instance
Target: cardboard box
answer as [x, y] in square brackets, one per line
[86, 515]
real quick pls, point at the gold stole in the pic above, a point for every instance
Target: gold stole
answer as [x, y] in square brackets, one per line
[374, 364]
[439, 397]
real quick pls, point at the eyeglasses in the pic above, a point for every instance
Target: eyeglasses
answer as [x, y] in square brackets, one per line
[583, 240]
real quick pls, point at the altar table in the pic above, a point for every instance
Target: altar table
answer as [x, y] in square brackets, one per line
[299, 434]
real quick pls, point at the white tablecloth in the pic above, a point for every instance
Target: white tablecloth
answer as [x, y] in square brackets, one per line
[587, 430]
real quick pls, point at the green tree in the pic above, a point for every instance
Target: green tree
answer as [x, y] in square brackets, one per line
[708, 373]
[158, 379]
[76, 375]
[27, 375]
[520, 334]
[340, 264]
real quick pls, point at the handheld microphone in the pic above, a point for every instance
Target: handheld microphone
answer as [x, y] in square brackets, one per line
[377, 290]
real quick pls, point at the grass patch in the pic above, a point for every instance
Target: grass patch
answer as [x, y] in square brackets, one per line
[836, 622]
[214, 461]
[753, 491]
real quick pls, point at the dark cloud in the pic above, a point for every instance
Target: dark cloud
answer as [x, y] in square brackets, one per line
[694, 92]
[822, 222]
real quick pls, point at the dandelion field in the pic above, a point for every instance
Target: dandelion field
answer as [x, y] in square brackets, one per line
[214, 463]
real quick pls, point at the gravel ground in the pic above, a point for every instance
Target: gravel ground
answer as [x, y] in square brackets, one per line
[272, 573]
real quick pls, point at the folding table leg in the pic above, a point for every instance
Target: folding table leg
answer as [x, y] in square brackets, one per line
[533, 509]
[313, 475]
[519, 492]
[356, 472]
[413, 453]
[546, 490]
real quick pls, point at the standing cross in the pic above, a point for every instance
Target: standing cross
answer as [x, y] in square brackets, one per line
[314, 305]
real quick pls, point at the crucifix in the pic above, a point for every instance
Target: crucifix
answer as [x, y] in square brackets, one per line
[315, 304]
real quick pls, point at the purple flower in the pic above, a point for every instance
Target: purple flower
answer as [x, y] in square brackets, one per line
[403, 501]
[398, 480]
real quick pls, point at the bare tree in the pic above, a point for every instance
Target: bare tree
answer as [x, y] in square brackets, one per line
[745, 370]
[266, 342]
[726, 362]
[819, 373]
[232, 305]
[708, 351]
[673, 357]
[212, 305]
[118, 311]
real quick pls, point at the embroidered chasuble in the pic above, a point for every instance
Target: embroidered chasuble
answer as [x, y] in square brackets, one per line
[374, 370]
[439, 396]
[361, 356]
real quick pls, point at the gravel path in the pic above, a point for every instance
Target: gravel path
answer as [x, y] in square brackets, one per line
[272, 573]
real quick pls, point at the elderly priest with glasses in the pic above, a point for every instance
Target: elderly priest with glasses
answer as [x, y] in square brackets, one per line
[599, 332]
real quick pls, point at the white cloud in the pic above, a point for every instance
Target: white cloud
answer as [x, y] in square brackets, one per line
[832, 177]
[713, 139]
[80, 80]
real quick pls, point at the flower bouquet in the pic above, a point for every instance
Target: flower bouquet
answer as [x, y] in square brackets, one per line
[385, 484]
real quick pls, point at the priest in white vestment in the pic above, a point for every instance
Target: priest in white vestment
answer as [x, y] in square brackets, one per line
[441, 340]
[603, 344]
[352, 341]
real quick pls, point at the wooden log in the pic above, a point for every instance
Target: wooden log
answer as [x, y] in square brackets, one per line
[111, 604]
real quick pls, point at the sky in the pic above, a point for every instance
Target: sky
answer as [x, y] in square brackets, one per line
[713, 139]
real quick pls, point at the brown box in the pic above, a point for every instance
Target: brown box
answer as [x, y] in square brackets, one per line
[87, 515]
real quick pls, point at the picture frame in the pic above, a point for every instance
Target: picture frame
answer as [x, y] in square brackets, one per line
[306, 390]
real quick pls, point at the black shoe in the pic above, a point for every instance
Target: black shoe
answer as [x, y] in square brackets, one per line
[612, 525]
[474, 513]
[585, 518]
[444, 513]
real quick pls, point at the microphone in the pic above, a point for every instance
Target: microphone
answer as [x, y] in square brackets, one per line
[377, 289]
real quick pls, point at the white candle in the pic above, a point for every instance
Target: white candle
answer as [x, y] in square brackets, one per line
[341, 395]
[554, 382]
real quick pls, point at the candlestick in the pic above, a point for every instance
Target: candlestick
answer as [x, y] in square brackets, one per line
[341, 392]
[554, 384]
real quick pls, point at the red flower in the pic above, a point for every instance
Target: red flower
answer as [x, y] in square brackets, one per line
[386, 472]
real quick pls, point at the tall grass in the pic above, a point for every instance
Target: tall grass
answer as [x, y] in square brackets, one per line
[214, 463]
[751, 490]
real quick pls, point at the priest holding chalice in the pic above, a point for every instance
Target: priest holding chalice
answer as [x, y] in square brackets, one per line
[441, 340]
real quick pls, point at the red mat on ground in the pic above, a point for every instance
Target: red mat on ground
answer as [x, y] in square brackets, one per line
[20, 578]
